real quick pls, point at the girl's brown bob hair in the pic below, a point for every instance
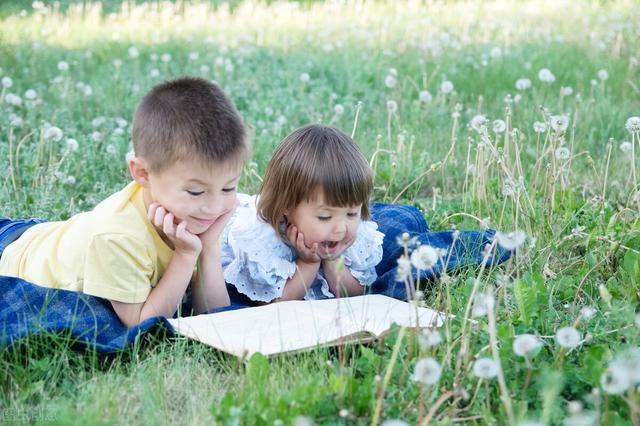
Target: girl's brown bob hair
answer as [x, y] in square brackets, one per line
[310, 158]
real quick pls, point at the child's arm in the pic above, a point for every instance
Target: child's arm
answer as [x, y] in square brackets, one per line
[167, 294]
[307, 266]
[340, 280]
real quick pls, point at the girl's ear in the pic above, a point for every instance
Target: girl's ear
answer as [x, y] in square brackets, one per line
[139, 171]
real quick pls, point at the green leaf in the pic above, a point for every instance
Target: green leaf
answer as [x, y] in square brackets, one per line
[526, 300]
[258, 370]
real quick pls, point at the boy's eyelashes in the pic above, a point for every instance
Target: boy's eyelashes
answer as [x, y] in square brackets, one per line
[196, 193]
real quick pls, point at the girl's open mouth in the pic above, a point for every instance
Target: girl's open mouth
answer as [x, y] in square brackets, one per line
[329, 245]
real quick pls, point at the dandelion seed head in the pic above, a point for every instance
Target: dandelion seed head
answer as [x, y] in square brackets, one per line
[390, 81]
[71, 180]
[495, 53]
[87, 91]
[425, 96]
[510, 240]
[338, 109]
[568, 337]
[429, 338]
[394, 422]
[72, 144]
[614, 381]
[133, 52]
[539, 127]
[63, 66]
[574, 407]
[523, 84]
[482, 304]
[166, 58]
[204, 69]
[130, 156]
[485, 368]
[393, 72]
[424, 257]
[583, 418]
[13, 99]
[15, 120]
[559, 123]
[117, 63]
[404, 268]
[392, 107]
[111, 149]
[633, 124]
[628, 362]
[499, 126]
[588, 312]
[626, 147]
[427, 371]
[344, 413]
[304, 77]
[154, 73]
[53, 133]
[30, 94]
[193, 56]
[604, 294]
[546, 76]
[562, 153]
[7, 82]
[117, 132]
[96, 136]
[526, 345]
[603, 75]
[477, 122]
[566, 91]
[446, 87]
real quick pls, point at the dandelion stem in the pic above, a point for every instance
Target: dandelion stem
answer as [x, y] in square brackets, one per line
[387, 377]
[434, 409]
[493, 339]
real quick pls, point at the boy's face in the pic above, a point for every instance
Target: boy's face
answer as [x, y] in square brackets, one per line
[193, 192]
[324, 224]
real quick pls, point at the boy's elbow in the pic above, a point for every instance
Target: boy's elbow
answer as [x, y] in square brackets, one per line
[130, 314]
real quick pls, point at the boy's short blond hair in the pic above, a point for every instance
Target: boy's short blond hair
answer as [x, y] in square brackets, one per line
[189, 118]
[311, 158]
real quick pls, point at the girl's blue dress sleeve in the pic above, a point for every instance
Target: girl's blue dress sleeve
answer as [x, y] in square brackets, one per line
[254, 259]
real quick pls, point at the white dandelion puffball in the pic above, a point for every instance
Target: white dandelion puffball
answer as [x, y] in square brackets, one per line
[15, 120]
[7, 82]
[117, 63]
[526, 345]
[482, 304]
[394, 422]
[429, 338]
[424, 257]
[603, 75]
[446, 87]
[427, 371]
[72, 144]
[594, 82]
[392, 106]
[304, 77]
[390, 81]
[539, 127]
[582, 418]
[404, 268]
[615, 381]
[566, 91]
[71, 180]
[281, 120]
[495, 53]
[510, 240]
[87, 90]
[96, 136]
[193, 56]
[154, 73]
[117, 132]
[485, 368]
[499, 126]
[393, 72]
[302, 421]
[588, 312]
[166, 58]
[121, 122]
[111, 149]
[425, 96]
[53, 133]
[97, 122]
[546, 75]
[568, 337]
[523, 84]
[477, 122]
[204, 69]
[562, 153]
[133, 52]
[338, 109]
[130, 156]
[633, 124]
[30, 94]
[13, 99]
[63, 66]
[559, 123]
[626, 147]
[628, 362]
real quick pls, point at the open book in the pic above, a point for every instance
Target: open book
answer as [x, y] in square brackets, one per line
[301, 324]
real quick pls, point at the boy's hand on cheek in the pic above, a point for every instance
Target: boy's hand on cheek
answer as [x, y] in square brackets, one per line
[305, 254]
[211, 236]
[184, 242]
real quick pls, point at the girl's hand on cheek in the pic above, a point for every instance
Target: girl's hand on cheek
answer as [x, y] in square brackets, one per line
[183, 241]
[305, 254]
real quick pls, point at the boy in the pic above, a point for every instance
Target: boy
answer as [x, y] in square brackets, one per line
[139, 247]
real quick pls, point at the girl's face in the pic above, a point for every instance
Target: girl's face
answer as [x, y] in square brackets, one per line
[323, 224]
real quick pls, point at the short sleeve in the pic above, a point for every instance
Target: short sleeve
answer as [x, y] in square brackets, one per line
[254, 259]
[117, 267]
[365, 253]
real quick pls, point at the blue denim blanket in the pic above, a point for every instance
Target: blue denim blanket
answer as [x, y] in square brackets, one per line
[27, 309]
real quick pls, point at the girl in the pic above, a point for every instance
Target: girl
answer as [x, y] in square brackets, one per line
[307, 233]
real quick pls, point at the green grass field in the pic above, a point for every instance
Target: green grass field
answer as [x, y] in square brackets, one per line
[452, 104]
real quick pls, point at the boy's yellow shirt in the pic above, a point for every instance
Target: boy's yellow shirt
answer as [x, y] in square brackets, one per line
[112, 252]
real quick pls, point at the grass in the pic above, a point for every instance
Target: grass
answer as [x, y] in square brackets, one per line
[580, 212]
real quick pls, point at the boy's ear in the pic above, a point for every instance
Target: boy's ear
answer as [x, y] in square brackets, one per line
[139, 171]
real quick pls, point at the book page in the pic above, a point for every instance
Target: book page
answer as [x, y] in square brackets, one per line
[295, 325]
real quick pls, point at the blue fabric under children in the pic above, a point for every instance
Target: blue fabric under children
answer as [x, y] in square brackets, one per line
[27, 309]
[10, 230]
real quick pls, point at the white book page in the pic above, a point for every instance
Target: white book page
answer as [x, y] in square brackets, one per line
[295, 325]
